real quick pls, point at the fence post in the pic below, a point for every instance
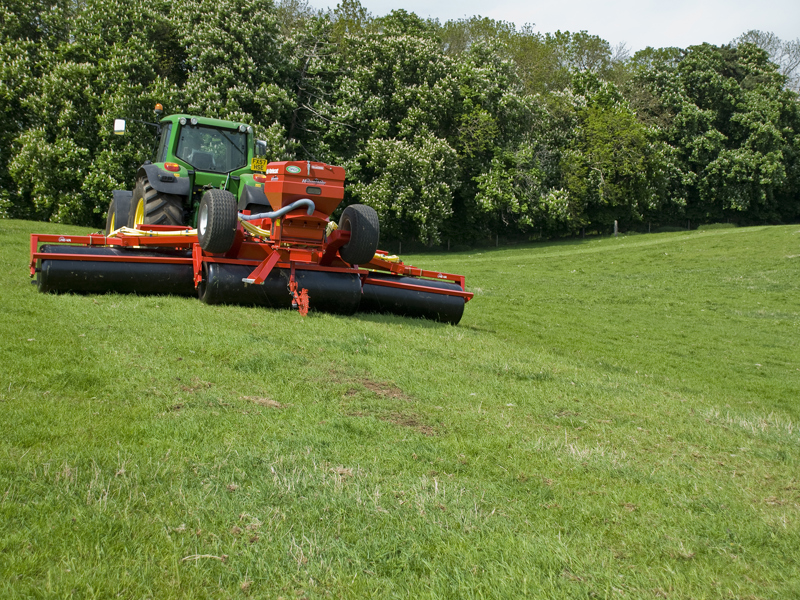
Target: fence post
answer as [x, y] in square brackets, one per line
[616, 229]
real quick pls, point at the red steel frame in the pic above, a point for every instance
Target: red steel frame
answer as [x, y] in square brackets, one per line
[262, 254]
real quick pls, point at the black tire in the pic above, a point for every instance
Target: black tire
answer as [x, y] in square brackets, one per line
[216, 221]
[118, 212]
[365, 230]
[150, 207]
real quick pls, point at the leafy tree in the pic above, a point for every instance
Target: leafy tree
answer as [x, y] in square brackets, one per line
[461, 34]
[724, 105]
[311, 57]
[27, 29]
[581, 51]
[65, 161]
[387, 115]
[234, 61]
[541, 60]
[349, 18]
[785, 54]
[499, 174]
[787, 196]
[651, 75]
[410, 184]
[615, 168]
[219, 58]
[292, 15]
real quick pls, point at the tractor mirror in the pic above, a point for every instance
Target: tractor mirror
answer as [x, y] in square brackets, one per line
[119, 126]
[261, 148]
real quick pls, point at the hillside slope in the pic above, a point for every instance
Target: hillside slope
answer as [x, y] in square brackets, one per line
[612, 417]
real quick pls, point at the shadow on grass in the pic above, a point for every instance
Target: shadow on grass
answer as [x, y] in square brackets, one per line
[502, 249]
[389, 319]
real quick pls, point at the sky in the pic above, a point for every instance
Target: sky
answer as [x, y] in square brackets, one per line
[638, 24]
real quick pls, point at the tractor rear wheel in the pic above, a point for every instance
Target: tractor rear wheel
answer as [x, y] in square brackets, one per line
[216, 221]
[150, 207]
[118, 213]
[365, 230]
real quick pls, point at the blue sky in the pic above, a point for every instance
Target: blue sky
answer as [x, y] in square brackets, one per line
[637, 23]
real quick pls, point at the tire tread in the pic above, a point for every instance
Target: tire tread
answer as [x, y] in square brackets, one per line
[362, 223]
[222, 220]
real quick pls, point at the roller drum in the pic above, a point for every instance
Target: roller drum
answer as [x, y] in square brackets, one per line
[99, 277]
[412, 303]
[337, 293]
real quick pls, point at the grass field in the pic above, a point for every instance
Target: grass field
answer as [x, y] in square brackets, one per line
[613, 418]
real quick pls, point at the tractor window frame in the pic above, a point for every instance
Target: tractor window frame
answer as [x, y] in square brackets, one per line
[163, 144]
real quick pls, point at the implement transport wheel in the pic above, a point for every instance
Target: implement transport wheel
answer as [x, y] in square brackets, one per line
[362, 223]
[149, 207]
[216, 221]
[118, 213]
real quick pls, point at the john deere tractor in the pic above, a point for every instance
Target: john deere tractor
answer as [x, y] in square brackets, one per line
[196, 156]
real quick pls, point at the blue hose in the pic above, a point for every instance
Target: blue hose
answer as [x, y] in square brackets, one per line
[277, 214]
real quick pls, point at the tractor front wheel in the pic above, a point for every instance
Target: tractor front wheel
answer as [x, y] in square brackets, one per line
[216, 221]
[150, 207]
[365, 230]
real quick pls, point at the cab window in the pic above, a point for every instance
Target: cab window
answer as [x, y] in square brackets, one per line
[212, 149]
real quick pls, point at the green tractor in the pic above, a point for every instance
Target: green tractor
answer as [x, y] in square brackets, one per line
[196, 156]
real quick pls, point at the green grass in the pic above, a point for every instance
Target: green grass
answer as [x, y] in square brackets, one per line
[614, 417]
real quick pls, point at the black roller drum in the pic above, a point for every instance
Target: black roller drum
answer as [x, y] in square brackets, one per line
[412, 303]
[337, 293]
[99, 277]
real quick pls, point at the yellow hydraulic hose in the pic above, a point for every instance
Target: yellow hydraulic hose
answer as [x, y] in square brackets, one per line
[129, 231]
[123, 231]
[254, 230]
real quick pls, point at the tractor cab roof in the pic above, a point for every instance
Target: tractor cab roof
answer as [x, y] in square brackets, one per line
[204, 121]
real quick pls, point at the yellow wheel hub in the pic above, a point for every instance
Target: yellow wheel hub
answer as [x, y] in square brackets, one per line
[138, 218]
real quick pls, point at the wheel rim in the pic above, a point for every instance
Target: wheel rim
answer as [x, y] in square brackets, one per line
[138, 218]
[202, 220]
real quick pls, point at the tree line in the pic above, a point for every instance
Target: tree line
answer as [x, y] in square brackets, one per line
[460, 131]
